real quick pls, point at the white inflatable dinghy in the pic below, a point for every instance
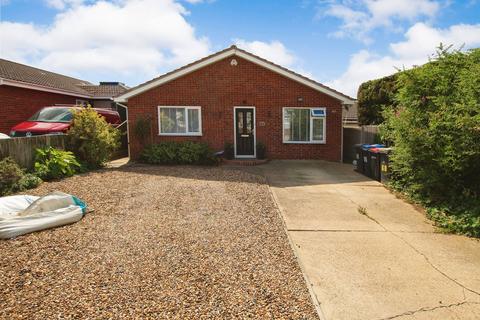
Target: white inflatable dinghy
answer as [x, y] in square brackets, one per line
[23, 214]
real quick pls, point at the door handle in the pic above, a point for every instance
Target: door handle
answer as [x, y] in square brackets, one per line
[244, 135]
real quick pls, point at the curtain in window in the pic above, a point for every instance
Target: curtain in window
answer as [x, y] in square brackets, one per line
[317, 129]
[193, 120]
[297, 125]
[172, 120]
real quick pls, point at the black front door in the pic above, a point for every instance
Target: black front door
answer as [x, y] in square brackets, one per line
[245, 131]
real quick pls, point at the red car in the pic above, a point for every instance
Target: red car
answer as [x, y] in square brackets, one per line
[55, 120]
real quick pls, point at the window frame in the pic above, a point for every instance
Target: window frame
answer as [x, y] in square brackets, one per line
[187, 133]
[311, 141]
[81, 102]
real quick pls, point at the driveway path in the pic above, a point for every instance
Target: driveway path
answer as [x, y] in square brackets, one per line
[367, 254]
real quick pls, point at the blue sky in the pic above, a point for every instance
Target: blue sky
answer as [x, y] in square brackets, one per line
[338, 42]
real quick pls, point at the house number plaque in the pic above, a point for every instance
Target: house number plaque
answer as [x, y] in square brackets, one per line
[261, 123]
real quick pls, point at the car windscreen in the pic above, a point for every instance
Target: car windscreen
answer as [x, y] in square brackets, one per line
[53, 114]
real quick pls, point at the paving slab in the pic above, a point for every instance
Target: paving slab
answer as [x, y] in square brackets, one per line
[360, 275]
[462, 311]
[320, 211]
[456, 256]
[385, 261]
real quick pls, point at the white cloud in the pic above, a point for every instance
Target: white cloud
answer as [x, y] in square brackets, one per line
[276, 52]
[128, 38]
[361, 17]
[62, 4]
[420, 43]
[273, 51]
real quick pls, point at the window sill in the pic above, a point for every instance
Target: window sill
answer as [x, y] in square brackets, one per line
[181, 134]
[304, 142]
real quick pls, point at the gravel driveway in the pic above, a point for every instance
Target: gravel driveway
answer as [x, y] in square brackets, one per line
[163, 242]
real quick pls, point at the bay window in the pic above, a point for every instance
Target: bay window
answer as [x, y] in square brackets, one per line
[175, 120]
[304, 125]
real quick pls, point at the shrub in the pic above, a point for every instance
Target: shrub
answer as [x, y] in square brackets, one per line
[10, 175]
[14, 179]
[228, 150]
[261, 150]
[29, 181]
[436, 133]
[142, 128]
[51, 163]
[93, 140]
[374, 97]
[179, 153]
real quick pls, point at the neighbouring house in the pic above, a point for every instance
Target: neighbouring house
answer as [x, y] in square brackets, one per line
[350, 115]
[25, 89]
[236, 97]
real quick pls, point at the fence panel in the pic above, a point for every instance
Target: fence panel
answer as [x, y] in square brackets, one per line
[356, 135]
[22, 149]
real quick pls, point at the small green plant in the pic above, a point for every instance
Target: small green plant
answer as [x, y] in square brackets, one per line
[14, 179]
[179, 153]
[10, 175]
[51, 163]
[261, 150]
[93, 139]
[29, 181]
[362, 210]
[228, 150]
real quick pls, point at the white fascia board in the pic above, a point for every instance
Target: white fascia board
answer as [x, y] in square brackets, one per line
[294, 77]
[20, 84]
[123, 98]
[174, 75]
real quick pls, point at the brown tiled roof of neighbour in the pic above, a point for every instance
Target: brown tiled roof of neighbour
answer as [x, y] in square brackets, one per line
[176, 70]
[29, 75]
[110, 89]
[245, 52]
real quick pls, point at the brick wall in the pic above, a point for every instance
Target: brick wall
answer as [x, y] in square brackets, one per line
[219, 87]
[18, 104]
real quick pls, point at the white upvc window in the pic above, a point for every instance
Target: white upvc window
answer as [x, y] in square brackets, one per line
[179, 121]
[304, 125]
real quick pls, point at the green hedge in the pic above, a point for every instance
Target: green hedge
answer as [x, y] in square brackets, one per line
[436, 133]
[179, 153]
[374, 97]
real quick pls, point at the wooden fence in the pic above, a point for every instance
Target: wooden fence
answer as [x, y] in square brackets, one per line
[357, 135]
[22, 150]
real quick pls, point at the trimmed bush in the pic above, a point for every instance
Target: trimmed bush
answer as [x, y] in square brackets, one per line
[179, 153]
[51, 163]
[93, 140]
[374, 97]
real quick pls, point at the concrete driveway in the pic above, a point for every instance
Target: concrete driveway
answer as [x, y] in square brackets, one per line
[367, 254]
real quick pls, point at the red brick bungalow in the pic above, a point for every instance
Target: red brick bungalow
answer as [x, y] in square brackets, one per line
[25, 89]
[237, 97]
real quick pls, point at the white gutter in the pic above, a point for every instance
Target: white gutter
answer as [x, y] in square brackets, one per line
[128, 127]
